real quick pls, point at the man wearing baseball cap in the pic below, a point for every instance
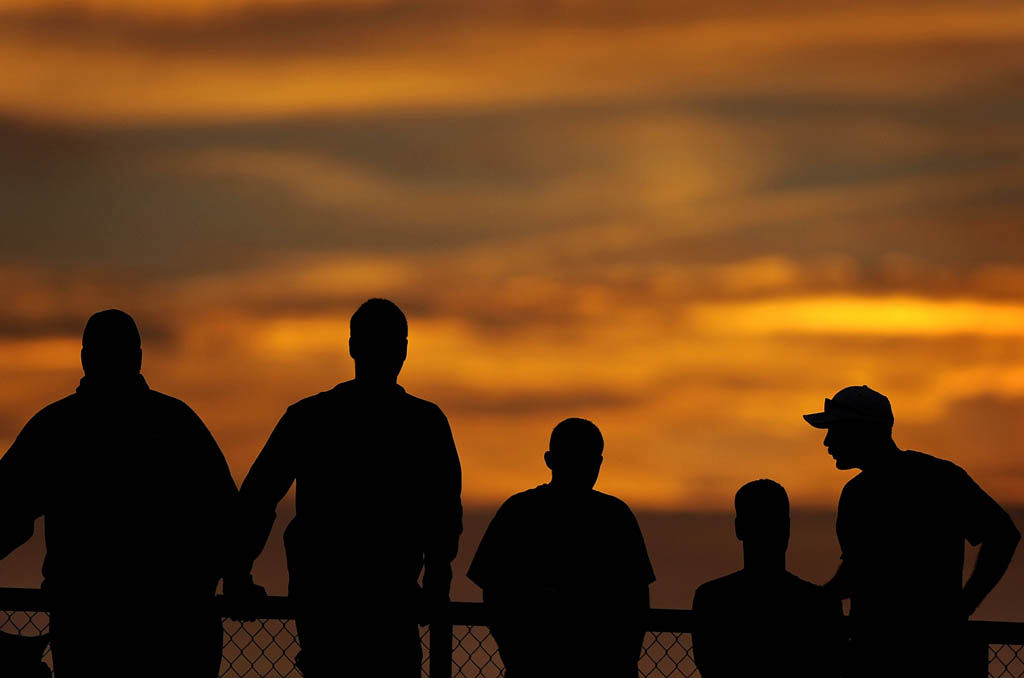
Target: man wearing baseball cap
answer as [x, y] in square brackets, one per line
[901, 524]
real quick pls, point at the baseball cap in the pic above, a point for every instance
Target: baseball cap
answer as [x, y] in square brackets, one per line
[853, 403]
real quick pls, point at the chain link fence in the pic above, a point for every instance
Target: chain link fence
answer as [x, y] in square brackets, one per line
[266, 648]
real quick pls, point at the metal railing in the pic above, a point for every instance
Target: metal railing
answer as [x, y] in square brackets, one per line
[464, 647]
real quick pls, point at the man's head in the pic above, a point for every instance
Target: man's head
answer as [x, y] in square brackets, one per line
[574, 453]
[379, 340]
[762, 516]
[859, 422]
[111, 346]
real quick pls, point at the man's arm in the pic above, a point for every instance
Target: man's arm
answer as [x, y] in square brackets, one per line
[266, 484]
[838, 587]
[991, 526]
[22, 498]
[642, 576]
[642, 604]
[709, 648]
[443, 515]
[215, 496]
[994, 558]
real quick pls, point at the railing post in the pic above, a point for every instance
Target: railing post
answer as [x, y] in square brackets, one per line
[441, 644]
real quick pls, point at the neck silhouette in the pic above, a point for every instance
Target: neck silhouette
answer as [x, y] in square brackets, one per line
[375, 377]
[881, 456]
[763, 561]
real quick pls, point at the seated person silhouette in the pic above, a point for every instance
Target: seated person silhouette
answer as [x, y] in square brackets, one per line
[564, 570]
[377, 501]
[762, 620]
[902, 524]
[138, 501]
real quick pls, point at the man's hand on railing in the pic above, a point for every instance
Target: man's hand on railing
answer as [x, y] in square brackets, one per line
[244, 598]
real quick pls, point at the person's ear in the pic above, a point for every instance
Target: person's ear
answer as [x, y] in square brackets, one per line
[739, 528]
[549, 459]
[352, 350]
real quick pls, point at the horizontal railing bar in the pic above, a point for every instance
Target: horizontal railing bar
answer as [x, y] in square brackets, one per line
[461, 613]
[23, 600]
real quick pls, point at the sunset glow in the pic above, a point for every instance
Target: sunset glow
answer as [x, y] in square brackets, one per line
[690, 223]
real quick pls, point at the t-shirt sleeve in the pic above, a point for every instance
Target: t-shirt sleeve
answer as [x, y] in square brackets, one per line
[488, 567]
[22, 480]
[709, 647]
[266, 484]
[637, 566]
[845, 518]
[982, 515]
[442, 511]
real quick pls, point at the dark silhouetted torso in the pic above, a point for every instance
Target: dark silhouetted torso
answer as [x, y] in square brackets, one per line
[137, 500]
[565, 575]
[753, 624]
[902, 529]
[377, 493]
[377, 486]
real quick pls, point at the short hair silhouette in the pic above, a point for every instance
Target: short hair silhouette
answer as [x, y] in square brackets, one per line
[378, 341]
[575, 438]
[111, 344]
[761, 496]
[379, 318]
[762, 513]
[574, 453]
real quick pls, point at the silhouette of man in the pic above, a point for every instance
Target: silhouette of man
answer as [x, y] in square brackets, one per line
[901, 525]
[377, 501]
[762, 620]
[137, 499]
[564, 570]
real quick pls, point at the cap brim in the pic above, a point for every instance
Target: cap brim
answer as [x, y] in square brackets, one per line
[821, 419]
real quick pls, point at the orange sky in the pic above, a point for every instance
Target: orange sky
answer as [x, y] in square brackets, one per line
[687, 223]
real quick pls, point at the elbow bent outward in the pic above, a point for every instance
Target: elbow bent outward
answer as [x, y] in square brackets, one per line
[994, 558]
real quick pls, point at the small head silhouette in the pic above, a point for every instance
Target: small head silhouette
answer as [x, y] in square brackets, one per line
[859, 422]
[111, 346]
[762, 516]
[574, 453]
[378, 340]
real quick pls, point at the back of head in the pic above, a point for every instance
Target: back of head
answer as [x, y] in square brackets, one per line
[574, 453]
[111, 346]
[378, 339]
[762, 513]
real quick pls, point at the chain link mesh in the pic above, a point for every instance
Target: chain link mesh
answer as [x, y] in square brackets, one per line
[266, 648]
[1005, 661]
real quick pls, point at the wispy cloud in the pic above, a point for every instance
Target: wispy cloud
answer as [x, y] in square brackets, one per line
[690, 222]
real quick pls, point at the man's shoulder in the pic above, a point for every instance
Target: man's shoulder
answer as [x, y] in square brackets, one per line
[168, 402]
[349, 392]
[56, 410]
[530, 497]
[611, 503]
[930, 462]
[802, 586]
[323, 400]
[422, 405]
[721, 587]
[855, 486]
